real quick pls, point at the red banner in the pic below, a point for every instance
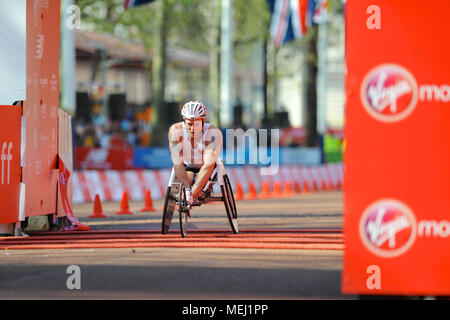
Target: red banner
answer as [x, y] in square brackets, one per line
[10, 163]
[63, 179]
[40, 108]
[397, 173]
[99, 158]
[292, 137]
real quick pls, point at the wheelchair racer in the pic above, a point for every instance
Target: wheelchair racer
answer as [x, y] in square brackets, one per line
[195, 147]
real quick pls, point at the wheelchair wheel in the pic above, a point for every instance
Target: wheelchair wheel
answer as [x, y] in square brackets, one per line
[169, 206]
[183, 211]
[230, 204]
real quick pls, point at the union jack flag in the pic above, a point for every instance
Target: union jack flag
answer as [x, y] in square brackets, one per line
[292, 18]
[134, 3]
[319, 11]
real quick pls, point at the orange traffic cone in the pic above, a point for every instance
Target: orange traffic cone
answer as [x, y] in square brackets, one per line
[239, 193]
[98, 210]
[124, 207]
[315, 186]
[305, 187]
[339, 186]
[265, 192]
[296, 187]
[287, 192]
[277, 189]
[325, 185]
[252, 191]
[148, 202]
[330, 185]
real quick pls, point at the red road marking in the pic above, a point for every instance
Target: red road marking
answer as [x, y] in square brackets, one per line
[196, 231]
[180, 244]
[243, 237]
[306, 239]
[173, 239]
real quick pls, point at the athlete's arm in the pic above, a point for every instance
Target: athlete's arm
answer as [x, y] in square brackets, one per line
[213, 147]
[176, 152]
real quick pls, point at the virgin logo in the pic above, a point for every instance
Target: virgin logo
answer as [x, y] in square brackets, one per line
[388, 228]
[63, 179]
[389, 93]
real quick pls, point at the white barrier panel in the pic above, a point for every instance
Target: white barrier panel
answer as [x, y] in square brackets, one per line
[110, 184]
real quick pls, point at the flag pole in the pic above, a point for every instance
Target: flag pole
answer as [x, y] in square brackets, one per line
[322, 78]
[226, 62]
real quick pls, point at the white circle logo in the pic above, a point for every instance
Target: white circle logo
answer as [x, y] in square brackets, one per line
[63, 179]
[389, 93]
[388, 228]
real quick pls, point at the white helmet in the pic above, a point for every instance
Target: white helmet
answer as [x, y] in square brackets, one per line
[193, 110]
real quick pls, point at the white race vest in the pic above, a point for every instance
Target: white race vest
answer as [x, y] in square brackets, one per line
[193, 157]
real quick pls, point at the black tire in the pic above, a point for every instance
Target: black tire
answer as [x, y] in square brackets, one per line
[230, 204]
[182, 211]
[230, 190]
[169, 206]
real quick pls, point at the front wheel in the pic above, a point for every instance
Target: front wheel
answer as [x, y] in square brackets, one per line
[230, 204]
[183, 211]
[169, 206]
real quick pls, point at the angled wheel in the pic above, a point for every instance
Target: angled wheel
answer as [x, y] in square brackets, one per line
[183, 211]
[230, 204]
[169, 206]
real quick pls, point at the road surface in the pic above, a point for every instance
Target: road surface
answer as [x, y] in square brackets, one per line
[288, 248]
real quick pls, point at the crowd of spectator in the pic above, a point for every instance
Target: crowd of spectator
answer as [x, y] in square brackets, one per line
[102, 132]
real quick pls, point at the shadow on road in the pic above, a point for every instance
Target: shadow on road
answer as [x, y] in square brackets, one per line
[169, 282]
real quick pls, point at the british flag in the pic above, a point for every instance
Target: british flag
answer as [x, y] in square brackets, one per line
[134, 3]
[292, 18]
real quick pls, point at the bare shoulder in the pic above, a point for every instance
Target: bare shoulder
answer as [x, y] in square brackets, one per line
[214, 131]
[175, 133]
[214, 135]
[175, 126]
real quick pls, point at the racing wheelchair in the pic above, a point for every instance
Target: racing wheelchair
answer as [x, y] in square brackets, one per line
[176, 198]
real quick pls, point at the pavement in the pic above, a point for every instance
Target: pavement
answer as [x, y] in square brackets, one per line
[204, 271]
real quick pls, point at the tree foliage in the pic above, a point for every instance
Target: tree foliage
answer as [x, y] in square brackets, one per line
[193, 24]
[190, 22]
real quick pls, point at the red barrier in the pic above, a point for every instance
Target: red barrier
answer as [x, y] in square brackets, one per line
[66, 154]
[98, 158]
[41, 107]
[30, 187]
[291, 136]
[10, 163]
[397, 117]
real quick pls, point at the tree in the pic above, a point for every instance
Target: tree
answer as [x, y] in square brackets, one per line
[159, 72]
[310, 88]
[308, 45]
[191, 24]
[311, 68]
[137, 24]
[199, 30]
